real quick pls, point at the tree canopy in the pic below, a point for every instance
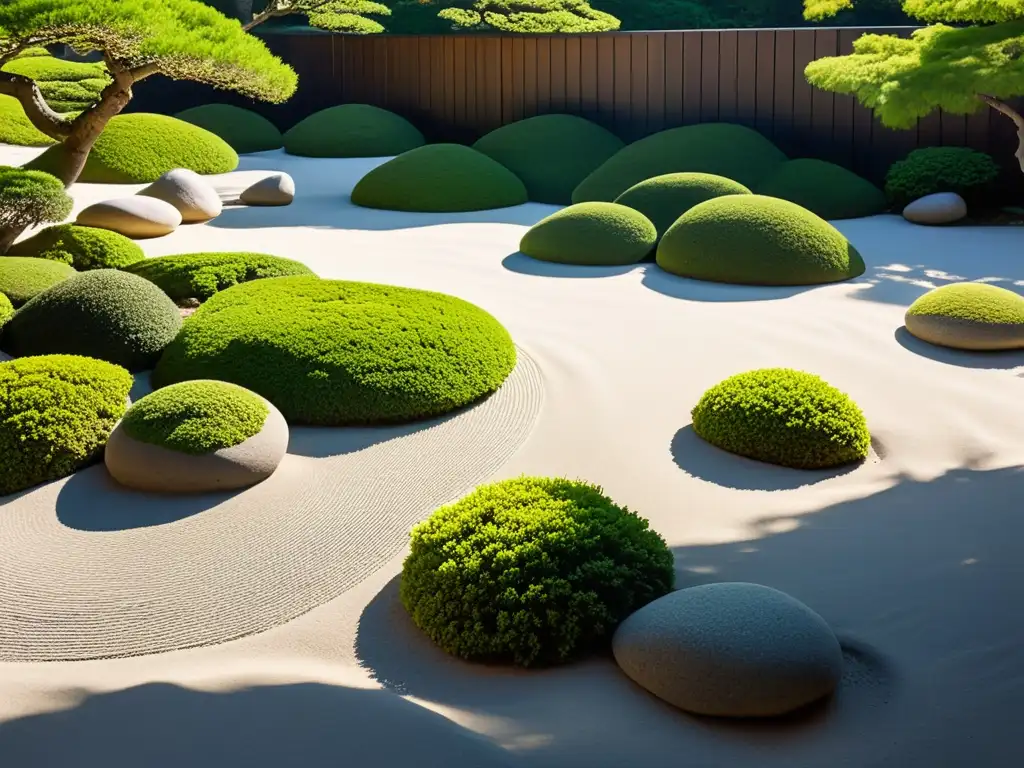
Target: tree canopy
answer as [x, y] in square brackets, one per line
[530, 16]
[344, 16]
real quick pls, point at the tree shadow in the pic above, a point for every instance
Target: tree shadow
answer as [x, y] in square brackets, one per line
[1006, 360]
[525, 265]
[667, 284]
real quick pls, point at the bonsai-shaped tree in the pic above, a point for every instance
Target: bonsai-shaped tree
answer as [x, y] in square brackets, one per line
[29, 198]
[344, 16]
[957, 69]
[533, 17]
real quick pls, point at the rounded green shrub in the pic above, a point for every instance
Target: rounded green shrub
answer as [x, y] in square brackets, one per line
[664, 199]
[440, 178]
[592, 234]
[335, 352]
[200, 275]
[352, 130]
[785, 417]
[825, 189]
[196, 417]
[67, 86]
[56, 413]
[721, 149]
[6, 310]
[757, 240]
[16, 128]
[22, 278]
[552, 154]
[245, 130]
[533, 571]
[974, 316]
[83, 248]
[106, 314]
[939, 169]
[30, 198]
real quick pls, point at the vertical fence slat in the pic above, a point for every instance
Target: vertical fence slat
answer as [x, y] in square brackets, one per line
[518, 80]
[673, 79]
[765, 82]
[472, 105]
[655, 82]
[606, 81]
[588, 77]
[543, 75]
[558, 74]
[508, 101]
[623, 79]
[782, 106]
[709, 77]
[826, 43]
[691, 76]
[492, 67]
[459, 64]
[573, 78]
[803, 54]
[862, 119]
[529, 77]
[728, 41]
[424, 65]
[746, 78]
[638, 86]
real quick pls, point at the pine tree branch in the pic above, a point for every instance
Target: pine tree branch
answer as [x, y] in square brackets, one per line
[39, 113]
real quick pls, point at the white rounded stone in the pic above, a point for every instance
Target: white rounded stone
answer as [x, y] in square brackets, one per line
[278, 189]
[193, 196]
[136, 217]
[940, 208]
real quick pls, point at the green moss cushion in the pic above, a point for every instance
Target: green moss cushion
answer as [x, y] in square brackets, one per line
[245, 130]
[352, 130]
[67, 86]
[664, 199]
[757, 240]
[196, 417]
[16, 128]
[440, 178]
[552, 154]
[782, 416]
[56, 413]
[532, 571]
[974, 316]
[83, 248]
[200, 275]
[6, 310]
[106, 314]
[826, 189]
[722, 149]
[336, 352]
[592, 234]
[22, 278]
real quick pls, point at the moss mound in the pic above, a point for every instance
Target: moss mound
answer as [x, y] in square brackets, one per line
[825, 189]
[931, 170]
[552, 154]
[664, 199]
[352, 130]
[6, 310]
[106, 314]
[200, 275]
[23, 278]
[532, 571]
[139, 148]
[721, 149]
[67, 86]
[336, 352]
[440, 178]
[16, 128]
[243, 129]
[974, 316]
[591, 234]
[785, 417]
[196, 417]
[83, 248]
[56, 413]
[757, 240]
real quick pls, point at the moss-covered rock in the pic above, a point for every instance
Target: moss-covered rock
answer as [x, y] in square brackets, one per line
[825, 189]
[23, 278]
[352, 130]
[591, 234]
[664, 199]
[974, 316]
[244, 130]
[83, 248]
[67, 86]
[16, 128]
[6, 310]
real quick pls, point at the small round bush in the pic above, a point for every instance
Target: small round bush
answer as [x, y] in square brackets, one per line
[30, 198]
[67, 86]
[352, 130]
[825, 189]
[83, 248]
[721, 149]
[533, 571]
[6, 310]
[592, 234]
[975, 316]
[440, 178]
[196, 417]
[245, 130]
[334, 352]
[757, 240]
[939, 169]
[106, 314]
[56, 413]
[552, 154]
[664, 199]
[16, 128]
[200, 275]
[785, 417]
[23, 278]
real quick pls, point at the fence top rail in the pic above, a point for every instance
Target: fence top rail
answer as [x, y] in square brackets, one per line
[620, 33]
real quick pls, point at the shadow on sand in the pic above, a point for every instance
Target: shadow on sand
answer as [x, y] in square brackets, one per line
[525, 265]
[991, 360]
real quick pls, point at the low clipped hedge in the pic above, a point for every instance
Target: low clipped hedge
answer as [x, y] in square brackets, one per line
[6, 310]
[757, 240]
[244, 130]
[721, 149]
[16, 128]
[931, 170]
[196, 417]
[440, 178]
[781, 416]
[552, 154]
[106, 314]
[83, 248]
[67, 86]
[591, 234]
[30, 198]
[533, 571]
[664, 199]
[974, 316]
[56, 413]
[825, 189]
[200, 275]
[352, 130]
[335, 352]
[23, 278]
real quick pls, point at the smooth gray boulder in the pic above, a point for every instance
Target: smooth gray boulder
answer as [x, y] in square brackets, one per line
[136, 217]
[940, 208]
[194, 197]
[278, 189]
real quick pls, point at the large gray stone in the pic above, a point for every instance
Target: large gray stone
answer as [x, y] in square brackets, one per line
[940, 208]
[730, 650]
[193, 196]
[136, 217]
[278, 189]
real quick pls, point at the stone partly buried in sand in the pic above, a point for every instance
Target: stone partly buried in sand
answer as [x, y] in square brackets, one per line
[730, 650]
[194, 198]
[278, 189]
[136, 217]
[972, 316]
[940, 208]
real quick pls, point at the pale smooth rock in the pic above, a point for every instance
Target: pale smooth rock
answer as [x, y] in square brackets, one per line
[961, 333]
[940, 208]
[730, 650]
[193, 196]
[136, 217]
[278, 189]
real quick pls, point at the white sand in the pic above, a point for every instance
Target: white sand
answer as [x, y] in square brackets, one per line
[912, 557]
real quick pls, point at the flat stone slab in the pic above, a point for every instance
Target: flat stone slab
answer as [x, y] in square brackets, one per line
[136, 217]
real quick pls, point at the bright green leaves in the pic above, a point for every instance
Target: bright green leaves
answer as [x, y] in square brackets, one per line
[537, 17]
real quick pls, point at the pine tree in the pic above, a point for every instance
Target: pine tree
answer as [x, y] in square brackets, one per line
[344, 16]
[535, 17]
